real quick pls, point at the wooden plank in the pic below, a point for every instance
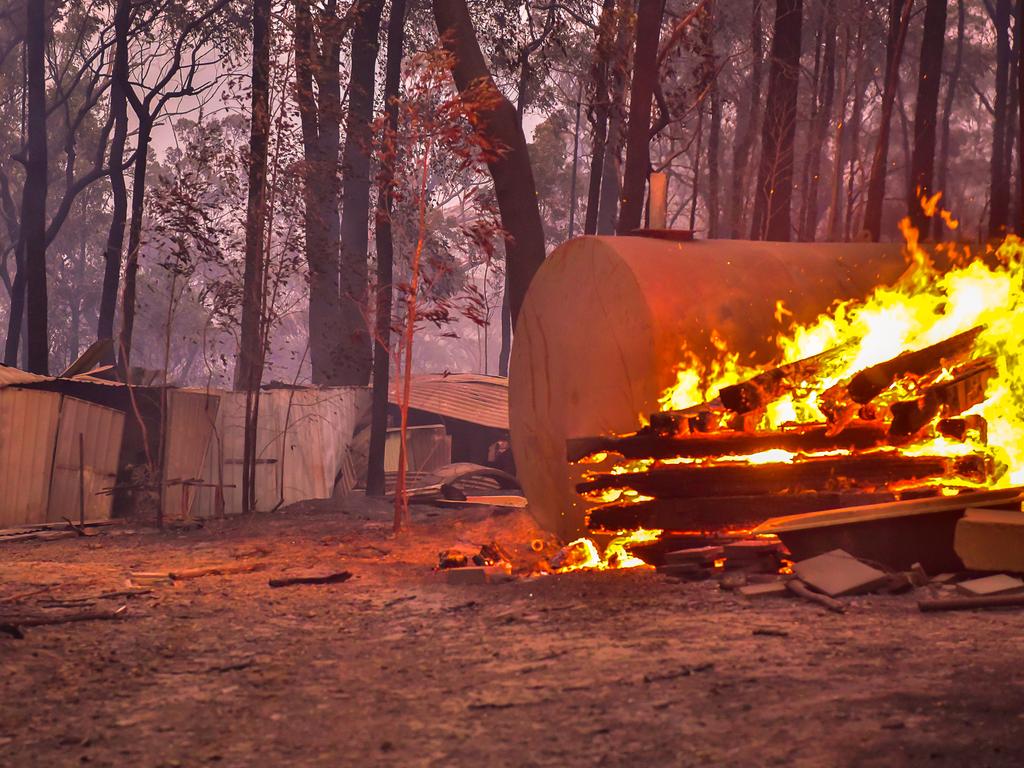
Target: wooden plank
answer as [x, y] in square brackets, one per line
[869, 383]
[720, 512]
[807, 439]
[761, 390]
[947, 398]
[867, 471]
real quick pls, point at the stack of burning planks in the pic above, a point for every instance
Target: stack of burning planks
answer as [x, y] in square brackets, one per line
[710, 465]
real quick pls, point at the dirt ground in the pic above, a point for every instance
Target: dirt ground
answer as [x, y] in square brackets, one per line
[397, 667]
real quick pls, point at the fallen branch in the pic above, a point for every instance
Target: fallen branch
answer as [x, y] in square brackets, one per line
[331, 578]
[971, 603]
[195, 573]
[800, 589]
[13, 624]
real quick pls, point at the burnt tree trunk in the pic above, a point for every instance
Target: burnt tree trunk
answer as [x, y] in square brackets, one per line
[118, 190]
[251, 347]
[856, 119]
[1020, 115]
[320, 116]
[512, 172]
[598, 111]
[819, 128]
[715, 130]
[385, 259]
[999, 188]
[131, 266]
[746, 127]
[899, 19]
[774, 192]
[638, 139]
[620, 65]
[947, 111]
[33, 206]
[355, 198]
[922, 164]
[838, 142]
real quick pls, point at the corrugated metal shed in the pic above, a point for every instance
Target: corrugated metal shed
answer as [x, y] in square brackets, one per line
[39, 456]
[191, 417]
[470, 397]
[102, 430]
[302, 437]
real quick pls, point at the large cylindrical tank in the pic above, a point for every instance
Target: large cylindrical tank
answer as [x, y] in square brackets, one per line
[606, 319]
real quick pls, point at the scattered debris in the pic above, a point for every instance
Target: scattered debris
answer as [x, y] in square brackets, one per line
[897, 534]
[839, 573]
[998, 584]
[480, 574]
[991, 540]
[452, 559]
[328, 578]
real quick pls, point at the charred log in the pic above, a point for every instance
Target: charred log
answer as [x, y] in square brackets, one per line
[805, 439]
[869, 471]
[770, 385]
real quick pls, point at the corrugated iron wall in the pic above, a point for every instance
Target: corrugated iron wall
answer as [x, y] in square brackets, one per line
[101, 430]
[302, 439]
[191, 418]
[39, 456]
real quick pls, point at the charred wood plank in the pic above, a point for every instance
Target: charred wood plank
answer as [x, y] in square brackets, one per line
[761, 390]
[871, 382]
[867, 471]
[806, 439]
[723, 512]
[947, 398]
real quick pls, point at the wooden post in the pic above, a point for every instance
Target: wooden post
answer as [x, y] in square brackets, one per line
[81, 479]
[657, 199]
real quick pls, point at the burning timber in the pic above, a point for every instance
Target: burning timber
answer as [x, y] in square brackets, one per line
[896, 429]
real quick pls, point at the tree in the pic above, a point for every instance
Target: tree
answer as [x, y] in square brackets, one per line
[899, 18]
[818, 130]
[251, 347]
[922, 164]
[355, 198]
[947, 108]
[118, 189]
[746, 125]
[320, 116]
[638, 158]
[511, 171]
[999, 187]
[774, 191]
[385, 255]
[597, 111]
[33, 206]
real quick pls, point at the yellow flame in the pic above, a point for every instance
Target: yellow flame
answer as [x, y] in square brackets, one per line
[924, 307]
[616, 555]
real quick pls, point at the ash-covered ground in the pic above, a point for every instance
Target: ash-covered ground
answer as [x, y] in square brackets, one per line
[397, 667]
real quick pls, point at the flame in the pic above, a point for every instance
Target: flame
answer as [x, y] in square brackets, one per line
[924, 307]
[616, 555]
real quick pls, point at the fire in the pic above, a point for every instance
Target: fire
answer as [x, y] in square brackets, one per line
[583, 554]
[924, 307]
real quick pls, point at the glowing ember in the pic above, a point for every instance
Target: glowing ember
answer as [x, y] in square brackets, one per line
[585, 555]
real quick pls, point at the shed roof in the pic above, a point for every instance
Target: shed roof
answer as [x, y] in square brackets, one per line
[470, 397]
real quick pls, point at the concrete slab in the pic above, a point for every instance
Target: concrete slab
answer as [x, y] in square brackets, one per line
[991, 540]
[769, 589]
[837, 573]
[999, 584]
